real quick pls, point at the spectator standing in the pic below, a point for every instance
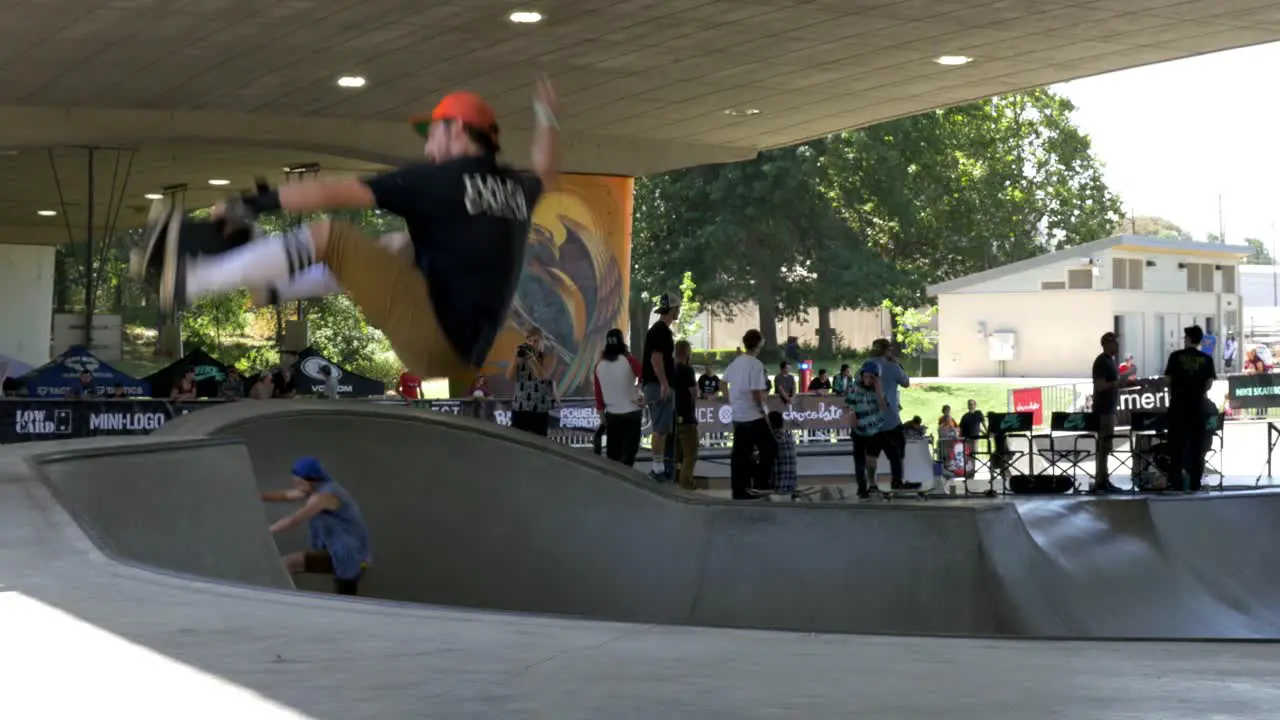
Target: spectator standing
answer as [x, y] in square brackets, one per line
[87, 389]
[264, 388]
[1229, 351]
[892, 377]
[867, 404]
[784, 385]
[534, 388]
[843, 381]
[659, 368]
[330, 382]
[1190, 374]
[185, 389]
[1107, 382]
[709, 383]
[785, 466]
[821, 384]
[686, 389]
[284, 383]
[617, 375]
[409, 387]
[751, 432]
[232, 387]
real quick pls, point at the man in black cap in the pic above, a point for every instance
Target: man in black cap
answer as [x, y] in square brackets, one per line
[1106, 401]
[1190, 374]
[659, 376]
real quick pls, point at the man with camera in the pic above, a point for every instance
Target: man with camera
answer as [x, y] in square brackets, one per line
[530, 369]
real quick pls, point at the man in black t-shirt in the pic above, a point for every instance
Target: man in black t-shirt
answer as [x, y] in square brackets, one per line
[467, 217]
[821, 383]
[971, 422]
[659, 375]
[1106, 402]
[1190, 374]
[686, 392]
[709, 383]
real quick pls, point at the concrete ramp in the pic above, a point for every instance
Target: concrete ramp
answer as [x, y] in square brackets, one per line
[467, 513]
[190, 507]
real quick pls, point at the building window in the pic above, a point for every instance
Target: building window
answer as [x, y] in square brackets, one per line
[1229, 279]
[1053, 285]
[1080, 279]
[1126, 273]
[1199, 277]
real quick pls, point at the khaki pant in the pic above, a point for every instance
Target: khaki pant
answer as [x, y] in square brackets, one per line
[687, 437]
[393, 296]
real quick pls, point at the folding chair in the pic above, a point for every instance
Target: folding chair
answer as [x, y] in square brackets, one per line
[1073, 439]
[1215, 427]
[1146, 430]
[1001, 428]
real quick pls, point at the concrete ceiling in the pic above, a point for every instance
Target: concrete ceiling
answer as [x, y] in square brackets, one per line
[233, 88]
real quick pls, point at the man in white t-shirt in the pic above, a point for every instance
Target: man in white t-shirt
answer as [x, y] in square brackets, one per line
[748, 388]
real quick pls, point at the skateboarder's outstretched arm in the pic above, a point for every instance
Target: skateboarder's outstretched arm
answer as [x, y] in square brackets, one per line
[316, 503]
[546, 133]
[283, 496]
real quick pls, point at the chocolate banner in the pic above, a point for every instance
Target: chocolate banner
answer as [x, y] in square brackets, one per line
[806, 412]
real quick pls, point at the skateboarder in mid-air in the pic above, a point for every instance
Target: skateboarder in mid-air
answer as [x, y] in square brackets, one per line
[339, 538]
[467, 218]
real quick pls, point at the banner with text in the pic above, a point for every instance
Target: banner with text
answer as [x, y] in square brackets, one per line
[1254, 391]
[806, 412]
[1030, 400]
[28, 420]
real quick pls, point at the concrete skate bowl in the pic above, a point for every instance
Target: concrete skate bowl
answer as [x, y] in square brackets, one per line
[469, 514]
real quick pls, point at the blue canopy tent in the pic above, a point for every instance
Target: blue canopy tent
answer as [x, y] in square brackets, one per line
[60, 376]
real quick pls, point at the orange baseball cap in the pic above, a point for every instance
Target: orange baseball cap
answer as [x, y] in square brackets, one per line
[465, 107]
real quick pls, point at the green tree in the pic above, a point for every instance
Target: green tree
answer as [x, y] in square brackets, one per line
[1260, 255]
[912, 331]
[689, 323]
[1154, 226]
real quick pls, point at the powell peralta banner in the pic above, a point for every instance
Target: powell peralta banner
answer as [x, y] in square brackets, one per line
[30, 420]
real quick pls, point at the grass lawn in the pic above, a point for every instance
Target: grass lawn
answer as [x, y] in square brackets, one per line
[925, 398]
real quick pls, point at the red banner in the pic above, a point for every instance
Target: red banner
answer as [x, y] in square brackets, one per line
[1029, 400]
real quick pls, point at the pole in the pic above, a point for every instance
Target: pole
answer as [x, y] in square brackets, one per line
[1275, 282]
[88, 262]
[1222, 227]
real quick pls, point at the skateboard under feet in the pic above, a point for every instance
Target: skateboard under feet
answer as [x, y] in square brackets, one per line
[166, 222]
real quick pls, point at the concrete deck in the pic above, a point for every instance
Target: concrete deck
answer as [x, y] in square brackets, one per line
[85, 633]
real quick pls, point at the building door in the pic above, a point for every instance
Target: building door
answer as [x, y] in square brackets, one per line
[1172, 336]
[1129, 328]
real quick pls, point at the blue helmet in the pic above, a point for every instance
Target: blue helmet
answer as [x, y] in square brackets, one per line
[870, 367]
[310, 469]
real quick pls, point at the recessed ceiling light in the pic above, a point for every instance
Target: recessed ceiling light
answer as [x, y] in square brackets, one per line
[218, 181]
[47, 213]
[153, 196]
[953, 60]
[741, 112]
[525, 17]
[351, 81]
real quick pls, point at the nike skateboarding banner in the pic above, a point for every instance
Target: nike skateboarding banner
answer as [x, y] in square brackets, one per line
[28, 420]
[1254, 391]
[806, 412]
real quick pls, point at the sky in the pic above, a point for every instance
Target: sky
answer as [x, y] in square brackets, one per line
[1175, 136]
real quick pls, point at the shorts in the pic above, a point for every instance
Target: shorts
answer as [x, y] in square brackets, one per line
[869, 445]
[392, 293]
[318, 562]
[662, 413]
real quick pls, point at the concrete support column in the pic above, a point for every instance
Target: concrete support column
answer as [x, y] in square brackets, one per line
[26, 302]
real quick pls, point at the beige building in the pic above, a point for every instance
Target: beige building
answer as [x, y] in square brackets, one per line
[1043, 317]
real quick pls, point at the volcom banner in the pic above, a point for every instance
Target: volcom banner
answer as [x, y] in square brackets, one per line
[28, 420]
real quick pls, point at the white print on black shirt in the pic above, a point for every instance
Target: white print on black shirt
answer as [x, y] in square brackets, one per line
[495, 195]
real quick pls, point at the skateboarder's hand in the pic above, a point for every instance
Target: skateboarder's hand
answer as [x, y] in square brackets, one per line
[217, 212]
[544, 92]
[664, 389]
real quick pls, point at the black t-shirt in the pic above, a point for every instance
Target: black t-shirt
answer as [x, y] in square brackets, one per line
[1105, 402]
[659, 340]
[283, 386]
[820, 383]
[469, 222]
[709, 384]
[684, 383]
[1190, 372]
[971, 424]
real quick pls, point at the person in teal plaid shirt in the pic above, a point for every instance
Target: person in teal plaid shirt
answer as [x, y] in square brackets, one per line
[842, 383]
[866, 403]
